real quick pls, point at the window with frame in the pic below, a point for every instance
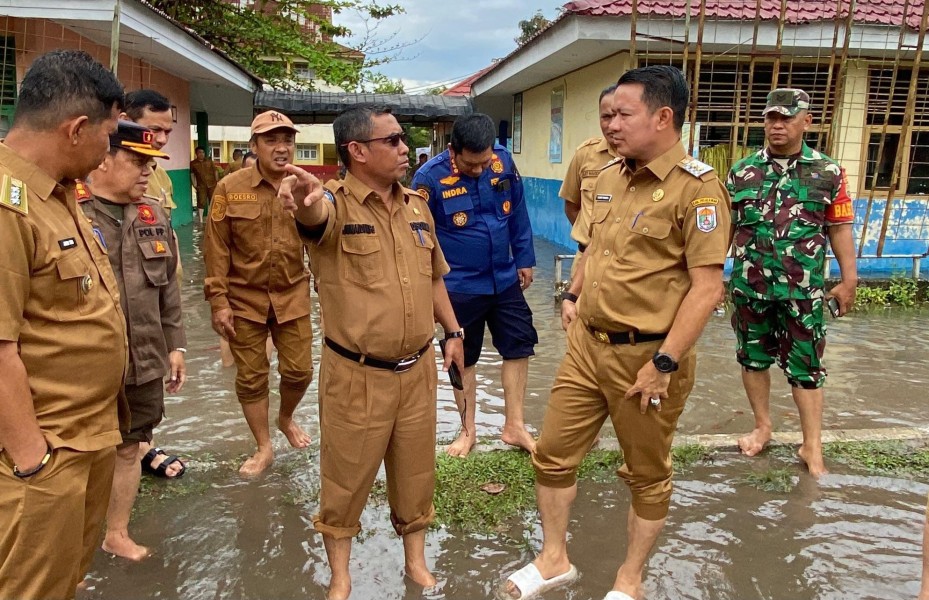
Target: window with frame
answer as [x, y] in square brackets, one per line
[517, 138]
[887, 106]
[216, 151]
[307, 152]
[7, 77]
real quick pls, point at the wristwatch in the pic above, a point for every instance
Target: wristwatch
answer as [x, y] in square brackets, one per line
[664, 363]
[566, 295]
[454, 334]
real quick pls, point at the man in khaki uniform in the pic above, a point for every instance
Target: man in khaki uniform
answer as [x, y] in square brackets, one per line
[256, 283]
[203, 174]
[236, 163]
[577, 189]
[379, 268]
[141, 247]
[652, 277]
[62, 333]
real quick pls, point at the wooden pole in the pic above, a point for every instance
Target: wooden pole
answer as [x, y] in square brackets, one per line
[114, 37]
[698, 56]
[751, 75]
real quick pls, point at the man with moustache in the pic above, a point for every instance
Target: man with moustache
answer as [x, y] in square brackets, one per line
[141, 246]
[379, 268]
[62, 333]
[256, 283]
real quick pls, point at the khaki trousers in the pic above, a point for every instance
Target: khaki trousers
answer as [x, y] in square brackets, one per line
[293, 340]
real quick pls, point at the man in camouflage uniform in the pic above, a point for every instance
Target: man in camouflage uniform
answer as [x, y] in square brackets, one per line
[786, 200]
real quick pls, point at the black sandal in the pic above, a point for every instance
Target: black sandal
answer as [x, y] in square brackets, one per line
[162, 469]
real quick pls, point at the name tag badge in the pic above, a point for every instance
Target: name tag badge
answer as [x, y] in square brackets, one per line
[604, 197]
[67, 243]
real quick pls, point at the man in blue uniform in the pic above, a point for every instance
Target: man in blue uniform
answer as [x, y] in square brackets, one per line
[476, 197]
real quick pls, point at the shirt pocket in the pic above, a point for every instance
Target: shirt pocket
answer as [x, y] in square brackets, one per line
[424, 248]
[246, 226]
[459, 211]
[503, 198]
[74, 282]
[646, 244]
[588, 186]
[361, 259]
[155, 254]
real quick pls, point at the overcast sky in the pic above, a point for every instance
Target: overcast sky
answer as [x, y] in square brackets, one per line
[458, 38]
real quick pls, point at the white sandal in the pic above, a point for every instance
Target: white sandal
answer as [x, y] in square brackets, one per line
[530, 582]
[614, 595]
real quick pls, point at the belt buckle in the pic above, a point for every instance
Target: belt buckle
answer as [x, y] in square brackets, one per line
[406, 364]
[602, 336]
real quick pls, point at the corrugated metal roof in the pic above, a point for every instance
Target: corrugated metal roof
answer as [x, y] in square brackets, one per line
[323, 107]
[873, 12]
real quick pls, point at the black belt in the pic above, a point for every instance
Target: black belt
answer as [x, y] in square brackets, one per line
[625, 337]
[397, 366]
[581, 247]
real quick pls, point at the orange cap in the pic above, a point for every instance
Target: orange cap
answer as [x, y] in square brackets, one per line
[270, 120]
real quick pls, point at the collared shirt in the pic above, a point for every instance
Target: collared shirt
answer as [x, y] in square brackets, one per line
[580, 181]
[59, 301]
[140, 244]
[651, 224]
[781, 208]
[253, 253]
[161, 188]
[482, 223]
[204, 172]
[375, 268]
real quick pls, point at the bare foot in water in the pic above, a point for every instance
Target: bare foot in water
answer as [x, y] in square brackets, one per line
[339, 589]
[753, 443]
[258, 462]
[420, 575]
[519, 437]
[814, 461]
[120, 544]
[462, 446]
[295, 434]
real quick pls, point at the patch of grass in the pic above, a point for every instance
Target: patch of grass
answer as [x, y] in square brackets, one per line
[689, 455]
[893, 458]
[600, 465]
[772, 480]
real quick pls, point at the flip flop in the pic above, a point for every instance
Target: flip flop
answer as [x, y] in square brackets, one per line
[615, 595]
[531, 584]
[162, 469]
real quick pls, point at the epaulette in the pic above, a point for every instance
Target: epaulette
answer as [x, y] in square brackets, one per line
[590, 142]
[13, 194]
[81, 192]
[694, 166]
[612, 162]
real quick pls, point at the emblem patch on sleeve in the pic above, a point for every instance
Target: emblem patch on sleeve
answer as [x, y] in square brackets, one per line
[706, 218]
[424, 192]
[147, 215]
[460, 219]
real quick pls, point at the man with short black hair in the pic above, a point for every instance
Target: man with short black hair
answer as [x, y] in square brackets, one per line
[379, 268]
[203, 174]
[141, 247]
[476, 198]
[236, 163]
[150, 109]
[62, 333]
[643, 293]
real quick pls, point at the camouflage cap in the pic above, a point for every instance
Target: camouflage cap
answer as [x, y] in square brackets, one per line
[787, 101]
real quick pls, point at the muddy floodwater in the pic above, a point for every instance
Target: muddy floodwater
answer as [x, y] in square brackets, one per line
[850, 536]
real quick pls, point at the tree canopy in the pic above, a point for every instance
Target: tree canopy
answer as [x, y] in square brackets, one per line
[271, 37]
[531, 26]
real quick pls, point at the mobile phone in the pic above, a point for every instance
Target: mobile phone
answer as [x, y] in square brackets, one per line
[833, 305]
[454, 375]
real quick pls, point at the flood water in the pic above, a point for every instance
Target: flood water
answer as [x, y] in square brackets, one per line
[851, 536]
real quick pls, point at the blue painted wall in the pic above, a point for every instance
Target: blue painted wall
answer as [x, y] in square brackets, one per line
[908, 232]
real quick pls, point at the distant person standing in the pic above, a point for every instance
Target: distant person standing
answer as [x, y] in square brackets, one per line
[423, 157]
[476, 198]
[256, 283]
[236, 163]
[62, 333]
[787, 201]
[203, 173]
[580, 180]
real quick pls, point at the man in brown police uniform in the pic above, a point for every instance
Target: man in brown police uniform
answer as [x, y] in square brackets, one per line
[203, 173]
[256, 283]
[648, 283]
[577, 189]
[379, 268]
[152, 110]
[62, 333]
[141, 246]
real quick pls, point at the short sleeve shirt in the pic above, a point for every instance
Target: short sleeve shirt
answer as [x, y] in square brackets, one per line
[59, 301]
[581, 180]
[376, 269]
[651, 224]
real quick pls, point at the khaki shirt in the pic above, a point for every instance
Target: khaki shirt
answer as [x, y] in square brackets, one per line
[141, 248]
[233, 167]
[204, 172]
[375, 269]
[161, 188]
[253, 253]
[580, 181]
[59, 301]
[650, 225]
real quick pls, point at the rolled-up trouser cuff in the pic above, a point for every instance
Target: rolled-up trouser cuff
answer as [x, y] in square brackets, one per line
[559, 481]
[339, 533]
[417, 524]
[651, 511]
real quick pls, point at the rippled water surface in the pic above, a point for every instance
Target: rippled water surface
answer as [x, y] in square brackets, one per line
[848, 537]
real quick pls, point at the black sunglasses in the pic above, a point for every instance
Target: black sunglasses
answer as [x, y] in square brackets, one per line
[393, 139]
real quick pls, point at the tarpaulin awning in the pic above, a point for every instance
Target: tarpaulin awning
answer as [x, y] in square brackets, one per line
[323, 107]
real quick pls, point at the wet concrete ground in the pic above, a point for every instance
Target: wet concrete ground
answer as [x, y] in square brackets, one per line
[852, 536]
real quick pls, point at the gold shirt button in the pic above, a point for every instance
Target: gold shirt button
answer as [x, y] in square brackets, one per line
[406, 280]
[595, 284]
[645, 230]
[632, 188]
[617, 219]
[606, 253]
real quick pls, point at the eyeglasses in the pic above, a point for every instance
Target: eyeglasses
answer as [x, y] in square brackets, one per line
[393, 139]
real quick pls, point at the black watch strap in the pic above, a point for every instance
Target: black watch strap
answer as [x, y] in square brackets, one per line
[664, 362]
[454, 334]
[566, 295]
